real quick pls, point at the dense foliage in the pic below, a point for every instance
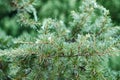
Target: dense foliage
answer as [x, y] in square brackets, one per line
[57, 40]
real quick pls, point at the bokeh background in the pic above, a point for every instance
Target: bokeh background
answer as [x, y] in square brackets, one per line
[57, 9]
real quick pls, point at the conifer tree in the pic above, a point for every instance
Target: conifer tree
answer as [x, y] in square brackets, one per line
[79, 50]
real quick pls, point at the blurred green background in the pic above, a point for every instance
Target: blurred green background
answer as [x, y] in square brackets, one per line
[57, 9]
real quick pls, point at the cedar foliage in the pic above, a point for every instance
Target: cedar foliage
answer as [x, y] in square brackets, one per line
[79, 49]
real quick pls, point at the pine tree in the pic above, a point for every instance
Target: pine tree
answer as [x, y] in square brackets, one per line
[79, 50]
